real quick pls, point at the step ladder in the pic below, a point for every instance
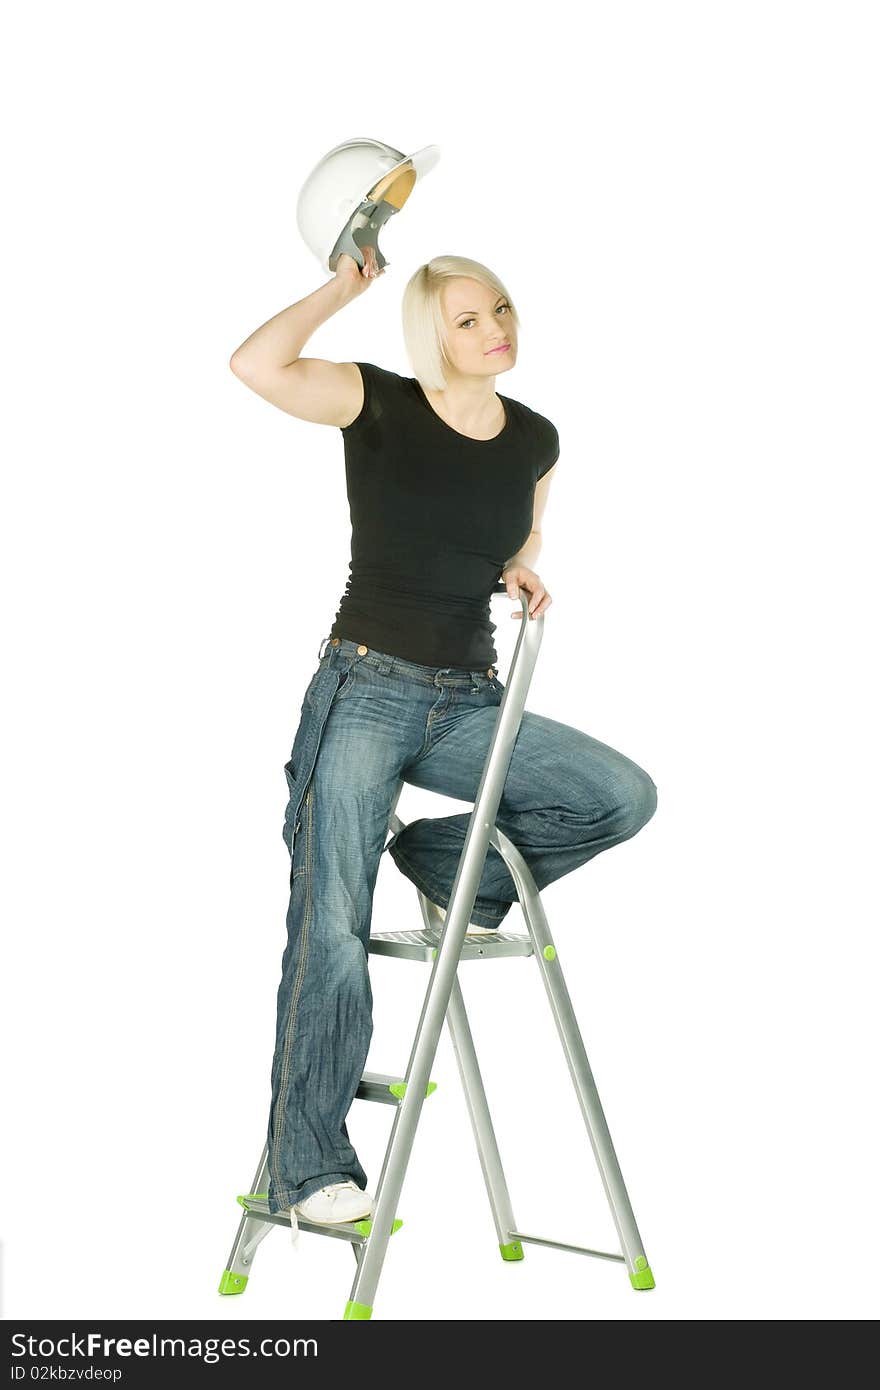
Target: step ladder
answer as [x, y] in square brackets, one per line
[444, 943]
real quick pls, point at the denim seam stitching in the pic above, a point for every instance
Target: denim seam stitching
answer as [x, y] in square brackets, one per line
[297, 989]
[429, 727]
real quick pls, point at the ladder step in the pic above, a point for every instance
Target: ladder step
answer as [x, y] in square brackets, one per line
[387, 1090]
[423, 944]
[356, 1232]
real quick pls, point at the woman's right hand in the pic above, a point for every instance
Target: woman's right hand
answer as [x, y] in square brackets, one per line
[355, 279]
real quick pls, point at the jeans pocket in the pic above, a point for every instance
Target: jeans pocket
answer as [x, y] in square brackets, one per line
[346, 682]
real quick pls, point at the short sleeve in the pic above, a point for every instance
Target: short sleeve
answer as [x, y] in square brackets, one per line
[550, 451]
[367, 370]
[381, 396]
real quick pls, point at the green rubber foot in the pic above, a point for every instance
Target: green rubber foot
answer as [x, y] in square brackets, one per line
[513, 1251]
[356, 1310]
[642, 1278]
[232, 1283]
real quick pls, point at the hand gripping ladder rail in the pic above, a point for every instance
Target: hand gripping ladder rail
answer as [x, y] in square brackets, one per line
[443, 1000]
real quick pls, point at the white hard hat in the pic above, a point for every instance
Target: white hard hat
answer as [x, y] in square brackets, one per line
[351, 193]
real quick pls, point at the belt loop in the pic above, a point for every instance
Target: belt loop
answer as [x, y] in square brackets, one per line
[324, 640]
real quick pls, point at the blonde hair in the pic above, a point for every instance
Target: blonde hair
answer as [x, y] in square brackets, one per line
[424, 330]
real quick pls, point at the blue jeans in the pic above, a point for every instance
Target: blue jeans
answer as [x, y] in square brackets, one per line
[368, 721]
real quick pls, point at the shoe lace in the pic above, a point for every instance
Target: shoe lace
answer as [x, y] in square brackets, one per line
[332, 1190]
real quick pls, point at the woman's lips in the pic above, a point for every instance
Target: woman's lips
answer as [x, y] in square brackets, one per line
[498, 349]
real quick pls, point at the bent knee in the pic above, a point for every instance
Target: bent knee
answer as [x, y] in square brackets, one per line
[635, 802]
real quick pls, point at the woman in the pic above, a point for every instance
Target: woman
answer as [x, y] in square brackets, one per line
[447, 484]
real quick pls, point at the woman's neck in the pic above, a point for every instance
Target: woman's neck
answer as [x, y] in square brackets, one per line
[473, 410]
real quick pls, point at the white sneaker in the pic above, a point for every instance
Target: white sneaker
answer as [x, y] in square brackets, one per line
[473, 928]
[338, 1202]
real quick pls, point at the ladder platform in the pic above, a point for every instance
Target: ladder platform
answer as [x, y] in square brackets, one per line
[355, 1232]
[423, 944]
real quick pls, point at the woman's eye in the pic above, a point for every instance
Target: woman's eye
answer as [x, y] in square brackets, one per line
[465, 322]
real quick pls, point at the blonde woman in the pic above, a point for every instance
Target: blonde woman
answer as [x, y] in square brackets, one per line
[447, 484]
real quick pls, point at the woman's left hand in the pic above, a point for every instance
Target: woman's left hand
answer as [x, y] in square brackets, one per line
[518, 577]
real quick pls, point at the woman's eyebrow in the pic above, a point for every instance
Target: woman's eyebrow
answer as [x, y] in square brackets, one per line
[476, 311]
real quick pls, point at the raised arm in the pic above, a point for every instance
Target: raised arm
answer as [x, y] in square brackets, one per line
[269, 361]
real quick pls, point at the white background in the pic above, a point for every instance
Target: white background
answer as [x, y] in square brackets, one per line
[682, 199]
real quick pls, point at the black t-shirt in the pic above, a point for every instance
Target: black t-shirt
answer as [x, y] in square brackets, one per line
[435, 516]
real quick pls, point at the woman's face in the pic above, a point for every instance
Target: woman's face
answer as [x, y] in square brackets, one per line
[477, 321]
